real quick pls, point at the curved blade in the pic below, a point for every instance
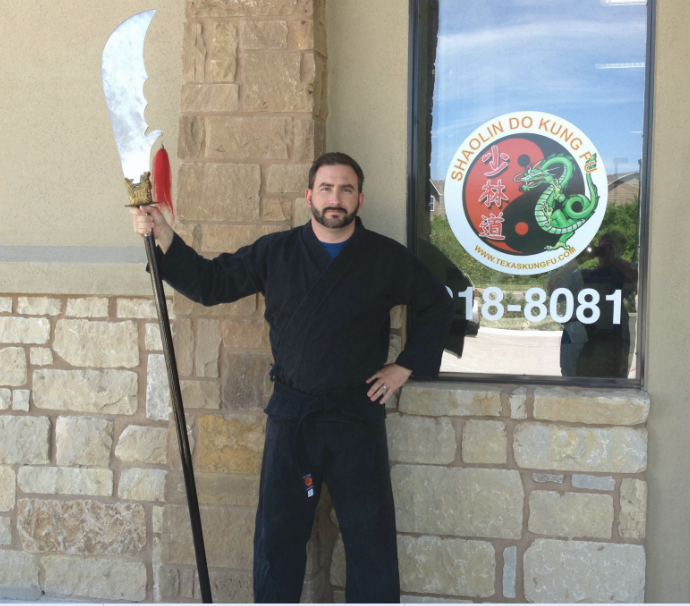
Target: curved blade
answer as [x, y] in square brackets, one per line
[124, 74]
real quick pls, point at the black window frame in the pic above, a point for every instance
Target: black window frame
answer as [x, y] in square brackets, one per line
[418, 190]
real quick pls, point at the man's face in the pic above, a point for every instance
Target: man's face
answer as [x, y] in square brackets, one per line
[335, 199]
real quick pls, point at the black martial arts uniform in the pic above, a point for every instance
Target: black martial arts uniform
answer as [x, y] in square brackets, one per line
[329, 331]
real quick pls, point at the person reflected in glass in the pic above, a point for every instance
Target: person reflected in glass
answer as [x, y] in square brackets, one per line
[601, 348]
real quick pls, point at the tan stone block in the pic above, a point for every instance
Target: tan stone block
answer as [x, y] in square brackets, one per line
[215, 489]
[458, 502]
[276, 210]
[152, 337]
[633, 515]
[246, 382]
[65, 480]
[81, 527]
[447, 566]
[183, 342]
[191, 138]
[302, 34]
[142, 484]
[248, 8]
[19, 576]
[558, 447]
[95, 578]
[40, 356]
[200, 394]
[5, 532]
[97, 344]
[21, 399]
[144, 309]
[286, 178]
[568, 514]
[310, 140]
[39, 306]
[208, 339]
[5, 398]
[394, 348]
[83, 441]
[87, 307]
[231, 444]
[13, 367]
[141, 444]
[29, 331]
[246, 334]
[24, 440]
[229, 587]
[6, 305]
[187, 583]
[223, 60]
[578, 571]
[591, 406]
[188, 232]
[397, 317]
[278, 82]
[228, 238]
[518, 403]
[302, 212]
[218, 192]
[101, 391]
[204, 98]
[8, 490]
[249, 138]
[243, 307]
[484, 442]
[193, 52]
[320, 85]
[264, 35]
[451, 400]
[223, 527]
[420, 440]
[158, 405]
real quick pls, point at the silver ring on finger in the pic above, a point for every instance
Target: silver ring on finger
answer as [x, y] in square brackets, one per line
[385, 389]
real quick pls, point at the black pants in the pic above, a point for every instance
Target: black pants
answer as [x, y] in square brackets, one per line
[351, 457]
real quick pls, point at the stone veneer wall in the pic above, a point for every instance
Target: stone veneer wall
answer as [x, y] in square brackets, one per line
[517, 494]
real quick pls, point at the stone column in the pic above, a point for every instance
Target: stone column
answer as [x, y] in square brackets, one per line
[253, 110]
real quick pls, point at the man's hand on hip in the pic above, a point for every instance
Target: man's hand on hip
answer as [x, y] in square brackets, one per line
[387, 380]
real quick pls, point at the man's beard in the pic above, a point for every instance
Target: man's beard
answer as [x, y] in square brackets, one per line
[341, 220]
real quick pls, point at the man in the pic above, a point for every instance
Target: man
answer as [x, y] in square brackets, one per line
[329, 287]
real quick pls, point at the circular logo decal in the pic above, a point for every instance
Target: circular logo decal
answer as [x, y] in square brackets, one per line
[526, 193]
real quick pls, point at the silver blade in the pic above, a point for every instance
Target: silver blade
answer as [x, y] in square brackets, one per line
[124, 73]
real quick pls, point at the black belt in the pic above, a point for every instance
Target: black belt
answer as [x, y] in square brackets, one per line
[298, 405]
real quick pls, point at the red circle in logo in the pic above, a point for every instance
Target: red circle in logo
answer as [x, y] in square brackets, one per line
[521, 228]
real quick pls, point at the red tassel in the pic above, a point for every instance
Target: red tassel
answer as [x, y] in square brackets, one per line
[161, 181]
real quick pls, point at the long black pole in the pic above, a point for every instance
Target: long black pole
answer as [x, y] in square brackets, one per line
[180, 422]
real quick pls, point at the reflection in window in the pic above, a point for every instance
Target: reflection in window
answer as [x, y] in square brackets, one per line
[536, 112]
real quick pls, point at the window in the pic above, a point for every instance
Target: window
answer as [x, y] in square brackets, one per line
[528, 124]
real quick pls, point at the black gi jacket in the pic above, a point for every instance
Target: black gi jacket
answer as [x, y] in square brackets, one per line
[329, 319]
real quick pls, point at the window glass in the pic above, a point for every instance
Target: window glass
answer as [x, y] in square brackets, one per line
[534, 167]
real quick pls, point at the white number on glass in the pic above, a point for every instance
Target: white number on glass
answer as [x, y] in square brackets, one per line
[492, 298]
[467, 295]
[569, 305]
[535, 303]
[590, 304]
[616, 298]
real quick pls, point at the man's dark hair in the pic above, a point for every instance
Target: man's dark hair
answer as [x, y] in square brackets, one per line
[333, 159]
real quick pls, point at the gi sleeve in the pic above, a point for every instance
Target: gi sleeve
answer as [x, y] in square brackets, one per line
[225, 279]
[432, 315]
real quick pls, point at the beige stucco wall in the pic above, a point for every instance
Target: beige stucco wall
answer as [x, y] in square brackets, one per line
[668, 381]
[62, 182]
[367, 99]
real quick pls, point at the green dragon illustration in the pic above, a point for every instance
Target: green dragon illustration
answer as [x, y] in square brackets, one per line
[554, 211]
